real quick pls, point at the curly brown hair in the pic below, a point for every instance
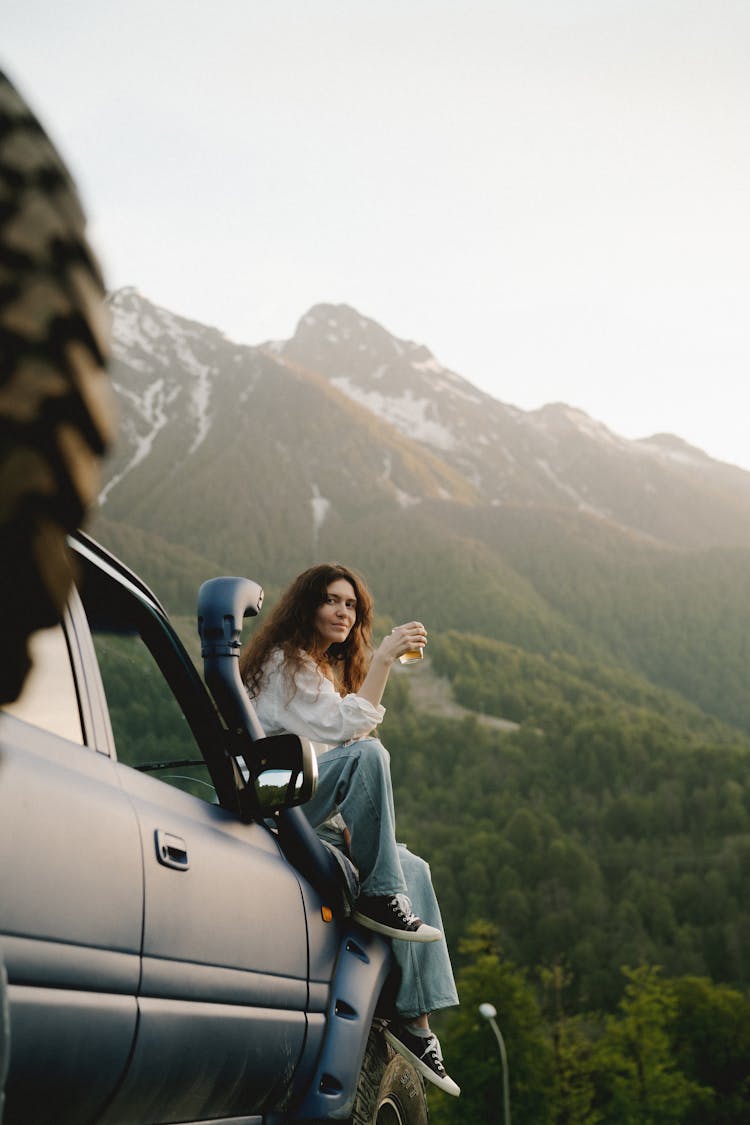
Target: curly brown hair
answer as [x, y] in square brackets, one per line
[291, 627]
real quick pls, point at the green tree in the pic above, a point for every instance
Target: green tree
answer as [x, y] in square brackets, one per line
[470, 1049]
[711, 1038]
[642, 1084]
[574, 1063]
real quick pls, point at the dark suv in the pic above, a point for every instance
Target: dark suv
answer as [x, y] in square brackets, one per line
[174, 941]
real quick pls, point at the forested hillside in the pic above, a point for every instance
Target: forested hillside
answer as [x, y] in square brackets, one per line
[608, 836]
[593, 861]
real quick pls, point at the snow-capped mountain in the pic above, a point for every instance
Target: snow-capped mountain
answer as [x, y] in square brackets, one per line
[556, 457]
[345, 418]
[224, 444]
[164, 368]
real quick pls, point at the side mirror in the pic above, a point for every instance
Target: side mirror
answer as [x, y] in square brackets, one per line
[284, 772]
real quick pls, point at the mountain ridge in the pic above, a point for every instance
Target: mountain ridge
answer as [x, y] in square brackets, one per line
[556, 456]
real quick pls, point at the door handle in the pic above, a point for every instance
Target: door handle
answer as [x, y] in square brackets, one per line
[171, 850]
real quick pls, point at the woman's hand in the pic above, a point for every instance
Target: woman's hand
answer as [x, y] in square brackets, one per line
[403, 638]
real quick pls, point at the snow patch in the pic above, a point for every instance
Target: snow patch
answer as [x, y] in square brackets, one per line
[201, 373]
[407, 413]
[446, 380]
[161, 345]
[567, 490]
[405, 499]
[548, 418]
[321, 506]
[671, 454]
[430, 364]
[152, 409]
[201, 396]
[132, 329]
[593, 429]
[145, 366]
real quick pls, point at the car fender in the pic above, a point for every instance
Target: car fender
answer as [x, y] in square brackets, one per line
[362, 968]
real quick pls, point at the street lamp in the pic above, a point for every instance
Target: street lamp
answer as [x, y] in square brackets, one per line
[488, 1012]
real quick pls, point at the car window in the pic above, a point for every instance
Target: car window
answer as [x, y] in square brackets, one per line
[149, 727]
[49, 699]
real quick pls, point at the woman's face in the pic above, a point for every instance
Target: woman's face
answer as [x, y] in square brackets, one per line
[335, 618]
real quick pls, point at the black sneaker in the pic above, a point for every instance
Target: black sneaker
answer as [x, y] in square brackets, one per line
[392, 916]
[424, 1054]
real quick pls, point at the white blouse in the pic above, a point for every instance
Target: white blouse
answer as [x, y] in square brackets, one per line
[310, 706]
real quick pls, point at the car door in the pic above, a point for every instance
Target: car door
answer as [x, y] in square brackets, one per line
[71, 891]
[224, 988]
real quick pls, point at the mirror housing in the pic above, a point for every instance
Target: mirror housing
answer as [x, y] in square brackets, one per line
[284, 773]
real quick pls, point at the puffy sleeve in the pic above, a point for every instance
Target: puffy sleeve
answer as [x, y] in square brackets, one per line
[312, 708]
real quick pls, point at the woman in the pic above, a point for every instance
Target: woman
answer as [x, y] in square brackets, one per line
[311, 670]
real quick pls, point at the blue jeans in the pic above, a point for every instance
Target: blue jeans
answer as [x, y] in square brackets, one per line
[355, 780]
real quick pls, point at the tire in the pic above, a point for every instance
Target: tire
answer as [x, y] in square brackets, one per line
[390, 1092]
[56, 404]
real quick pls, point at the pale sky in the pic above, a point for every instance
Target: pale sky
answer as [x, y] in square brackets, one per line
[552, 195]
